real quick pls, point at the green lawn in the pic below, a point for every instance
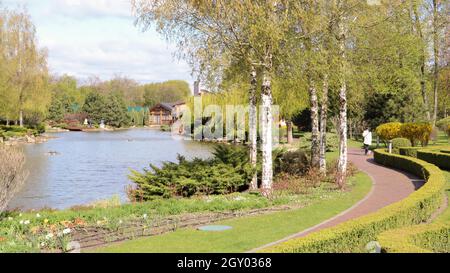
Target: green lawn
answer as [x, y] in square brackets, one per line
[249, 232]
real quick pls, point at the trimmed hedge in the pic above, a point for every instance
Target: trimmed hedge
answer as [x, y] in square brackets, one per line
[409, 151]
[416, 239]
[352, 236]
[442, 160]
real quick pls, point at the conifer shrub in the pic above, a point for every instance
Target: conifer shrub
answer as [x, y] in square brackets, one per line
[227, 172]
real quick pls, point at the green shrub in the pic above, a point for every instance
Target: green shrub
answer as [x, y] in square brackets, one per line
[397, 143]
[416, 132]
[409, 151]
[389, 131]
[443, 124]
[294, 163]
[15, 129]
[442, 160]
[332, 142]
[165, 128]
[227, 172]
[416, 239]
[40, 128]
[401, 142]
[353, 235]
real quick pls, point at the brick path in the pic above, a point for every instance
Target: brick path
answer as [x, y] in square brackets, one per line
[389, 186]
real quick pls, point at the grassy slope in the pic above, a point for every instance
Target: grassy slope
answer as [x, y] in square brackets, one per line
[248, 232]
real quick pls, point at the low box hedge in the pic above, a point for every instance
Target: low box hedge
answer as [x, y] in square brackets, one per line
[353, 236]
[417, 239]
[442, 160]
[409, 151]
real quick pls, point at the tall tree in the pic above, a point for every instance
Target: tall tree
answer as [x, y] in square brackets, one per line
[341, 37]
[246, 31]
[26, 67]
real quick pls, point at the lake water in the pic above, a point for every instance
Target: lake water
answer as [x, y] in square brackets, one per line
[94, 166]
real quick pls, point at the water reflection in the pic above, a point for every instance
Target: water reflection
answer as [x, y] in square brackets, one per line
[93, 166]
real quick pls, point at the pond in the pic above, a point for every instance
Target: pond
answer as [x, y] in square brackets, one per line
[88, 167]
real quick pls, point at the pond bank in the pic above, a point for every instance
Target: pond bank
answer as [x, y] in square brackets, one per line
[91, 166]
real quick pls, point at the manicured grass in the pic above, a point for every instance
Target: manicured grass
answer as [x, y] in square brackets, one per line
[249, 232]
[15, 236]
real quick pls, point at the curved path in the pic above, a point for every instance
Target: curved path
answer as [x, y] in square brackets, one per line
[389, 186]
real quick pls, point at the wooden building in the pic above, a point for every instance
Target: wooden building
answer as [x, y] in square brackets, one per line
[165, 113]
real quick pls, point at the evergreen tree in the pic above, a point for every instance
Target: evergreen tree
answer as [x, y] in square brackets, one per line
[116, 111]
[95, 107]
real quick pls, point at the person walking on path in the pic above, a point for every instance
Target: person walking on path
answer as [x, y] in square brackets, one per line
[367, 134]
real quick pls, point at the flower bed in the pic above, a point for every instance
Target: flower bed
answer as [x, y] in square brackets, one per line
[353, 235]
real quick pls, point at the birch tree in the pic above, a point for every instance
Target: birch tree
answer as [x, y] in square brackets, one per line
[248, 31]
[341, 37]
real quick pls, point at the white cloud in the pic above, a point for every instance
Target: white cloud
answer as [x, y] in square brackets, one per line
[83, 8]
[97, 37]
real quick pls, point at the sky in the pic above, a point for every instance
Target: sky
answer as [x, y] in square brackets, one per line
[86, 38]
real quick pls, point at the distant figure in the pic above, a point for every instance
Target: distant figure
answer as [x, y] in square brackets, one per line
[85, 122]
[367, 134]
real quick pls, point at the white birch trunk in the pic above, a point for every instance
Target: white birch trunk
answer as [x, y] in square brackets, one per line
[342, 163]
[436, 60]
[253, 128]
[290, 136]
[21, 118]
[323, 126]
[266, 135]
[315, 141]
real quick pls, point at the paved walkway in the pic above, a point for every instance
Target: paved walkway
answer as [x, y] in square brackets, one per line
[389, 186]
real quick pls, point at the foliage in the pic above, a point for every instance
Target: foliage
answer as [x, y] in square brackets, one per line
[332, 142]
[26, 231]
[12, 175]
[24, 88]
[443, 124]
[56, 110]
[313, 209]
[302, 120]
[417, 239]
[397, 143]
[416, 132]
[116, 112]
[170, 91]
[353, 235]
[389, 131]
[442, 160]
[138, 118]
[94, 106]
[17, 131]
[293, 163]
[227, 172]
[387, 107]
[409, 151]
